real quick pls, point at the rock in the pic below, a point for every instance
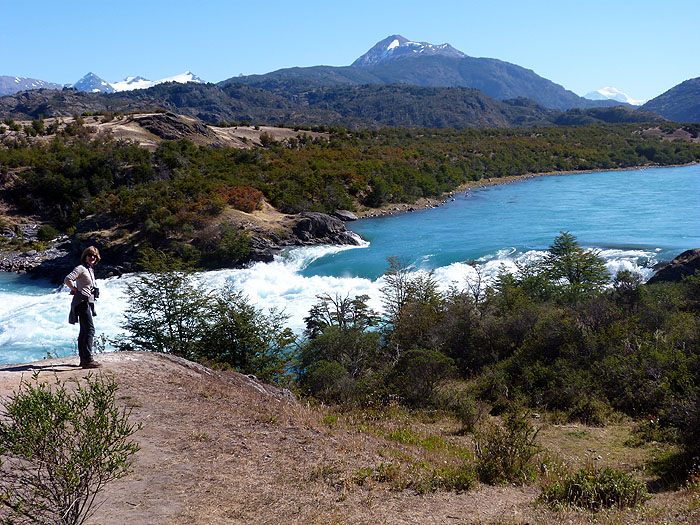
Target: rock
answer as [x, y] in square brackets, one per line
[345, 215]
[320, 228]
[685, 264]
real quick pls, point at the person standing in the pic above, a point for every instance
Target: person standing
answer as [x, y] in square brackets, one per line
[81, 282]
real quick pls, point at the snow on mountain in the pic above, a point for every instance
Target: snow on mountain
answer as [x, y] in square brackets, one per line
[611, 93]
[91, 83]
[11, 84]
[130, 83]
[397, 47]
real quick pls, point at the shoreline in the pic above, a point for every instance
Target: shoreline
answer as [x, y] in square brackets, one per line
[425, 203]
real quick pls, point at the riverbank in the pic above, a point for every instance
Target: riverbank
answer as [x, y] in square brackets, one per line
[428, 203]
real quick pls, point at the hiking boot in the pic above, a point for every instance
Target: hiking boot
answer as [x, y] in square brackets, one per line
[91, 364]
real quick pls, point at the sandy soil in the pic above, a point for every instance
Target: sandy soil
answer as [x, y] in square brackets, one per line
[222, 448]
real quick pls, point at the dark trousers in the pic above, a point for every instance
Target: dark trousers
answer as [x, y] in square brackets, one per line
[87, 332]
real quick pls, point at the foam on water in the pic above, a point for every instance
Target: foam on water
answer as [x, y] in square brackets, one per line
[33, 321]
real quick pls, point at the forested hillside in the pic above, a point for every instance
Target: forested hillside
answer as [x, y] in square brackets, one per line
[370, 106]
[167, 197]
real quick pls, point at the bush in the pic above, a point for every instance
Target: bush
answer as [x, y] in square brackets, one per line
[60, 449]
[590, 411]
[590, 488]
[416, 374]
[169, 313]
[329, 382]
[244, 198]
[505, 454]
[47, 233]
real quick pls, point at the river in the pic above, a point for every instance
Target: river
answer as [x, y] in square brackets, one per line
[636, 218]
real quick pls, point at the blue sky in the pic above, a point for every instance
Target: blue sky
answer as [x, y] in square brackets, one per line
[642, 48]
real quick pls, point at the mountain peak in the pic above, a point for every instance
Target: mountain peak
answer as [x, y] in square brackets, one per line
[396, 47]
[611, 93]
[93, 84]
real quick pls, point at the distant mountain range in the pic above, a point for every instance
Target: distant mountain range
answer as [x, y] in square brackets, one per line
[91, 83]
[10, 85]
[397, 82]
[353, 106]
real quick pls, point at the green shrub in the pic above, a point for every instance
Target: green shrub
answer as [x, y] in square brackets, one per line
[590, 411]
[591, 488]
[329, 382]
[460, 479]
[60, 448]
[506, 454]
[469, 412]
[47, 233]
[416, 374]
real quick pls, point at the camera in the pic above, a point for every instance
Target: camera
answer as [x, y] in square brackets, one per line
[96, 292]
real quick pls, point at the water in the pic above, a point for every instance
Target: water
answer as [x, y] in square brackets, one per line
[635, 218]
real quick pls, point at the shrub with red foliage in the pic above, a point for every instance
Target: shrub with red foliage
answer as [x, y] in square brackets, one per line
[244, 198]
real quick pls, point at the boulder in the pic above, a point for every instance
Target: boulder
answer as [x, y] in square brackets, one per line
[345, 215]
[320, 228]
[683, 265]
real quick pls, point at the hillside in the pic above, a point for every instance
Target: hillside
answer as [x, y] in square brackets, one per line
[367, 106]
[680, 103]
[222, 448]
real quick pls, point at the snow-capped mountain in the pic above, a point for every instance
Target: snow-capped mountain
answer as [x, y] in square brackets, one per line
[611, 93]
[396, 47]
[130, 83]
[10, 84]
[93, 84]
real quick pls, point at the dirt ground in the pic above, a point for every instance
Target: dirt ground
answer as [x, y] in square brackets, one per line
[222, 448]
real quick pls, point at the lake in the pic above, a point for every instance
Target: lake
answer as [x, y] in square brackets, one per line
[636, 218]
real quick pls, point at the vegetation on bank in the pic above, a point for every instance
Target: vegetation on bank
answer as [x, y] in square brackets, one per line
[559, 336]
[171, 197]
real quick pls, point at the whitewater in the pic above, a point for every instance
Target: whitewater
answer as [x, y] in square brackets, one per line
[635, 219]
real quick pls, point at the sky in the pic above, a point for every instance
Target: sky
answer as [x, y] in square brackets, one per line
[642, 48]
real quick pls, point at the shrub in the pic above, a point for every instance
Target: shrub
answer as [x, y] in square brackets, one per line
[505, 454]
[244, 198]
[594, 489]
[47, 233]
[60, 449]
[469, 412]
[590, 411]
[329, 381]
[417, 372]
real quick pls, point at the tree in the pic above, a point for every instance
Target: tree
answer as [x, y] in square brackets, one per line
[59, 449]
[167, 313]
[248, 339]
[578, 271]
[343, 348]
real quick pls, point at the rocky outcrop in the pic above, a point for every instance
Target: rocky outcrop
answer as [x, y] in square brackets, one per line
[169, 126]
[345, 215]
[319, 228]
[687, 263]
[119, 247]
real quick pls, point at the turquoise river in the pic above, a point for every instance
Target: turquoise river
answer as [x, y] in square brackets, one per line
[636, 219]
